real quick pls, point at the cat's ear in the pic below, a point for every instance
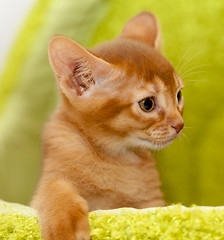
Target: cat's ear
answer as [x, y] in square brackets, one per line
[75, 67]
[144, 27]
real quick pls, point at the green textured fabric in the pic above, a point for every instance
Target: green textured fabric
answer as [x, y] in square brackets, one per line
[18, 222]
[191, 168]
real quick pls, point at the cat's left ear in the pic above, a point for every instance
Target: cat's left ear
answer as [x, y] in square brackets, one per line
[76, 68]
[144, 27]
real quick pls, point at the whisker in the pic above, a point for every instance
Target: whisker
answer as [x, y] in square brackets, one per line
[195, 80]
[180, 139]
[189, 60]
[200, 66]
[183, 135]
[155, 153]
[185, 54]
[186, 75]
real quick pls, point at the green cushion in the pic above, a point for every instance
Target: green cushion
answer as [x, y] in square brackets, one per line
[18, 222]
[192, 168]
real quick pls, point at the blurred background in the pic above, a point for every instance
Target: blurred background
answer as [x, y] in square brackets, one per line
[192, 168]
[12, 15]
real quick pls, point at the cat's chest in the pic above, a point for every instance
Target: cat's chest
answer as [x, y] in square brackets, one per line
[116, 185]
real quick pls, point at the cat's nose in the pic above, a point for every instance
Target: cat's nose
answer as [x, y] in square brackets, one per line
[178, 126]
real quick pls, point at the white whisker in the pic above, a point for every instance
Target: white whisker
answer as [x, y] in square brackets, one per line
[184, 135]
[188, 61]
[183, 138]
[181, 62]
[195, 80]
[185, 54]
[189, 70]
[188, 74]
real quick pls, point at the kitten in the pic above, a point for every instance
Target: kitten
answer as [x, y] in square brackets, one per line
[117, 101]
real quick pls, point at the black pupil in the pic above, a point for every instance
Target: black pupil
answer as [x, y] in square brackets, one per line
[179, 96]
[148, 103]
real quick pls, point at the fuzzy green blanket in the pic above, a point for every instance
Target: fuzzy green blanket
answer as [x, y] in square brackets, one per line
[18, 222]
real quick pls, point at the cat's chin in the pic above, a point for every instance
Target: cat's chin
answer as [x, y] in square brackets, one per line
[158, 146]
[154, 145]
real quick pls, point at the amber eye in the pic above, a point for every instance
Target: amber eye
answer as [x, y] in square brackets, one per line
[147, 104]
[179, 95]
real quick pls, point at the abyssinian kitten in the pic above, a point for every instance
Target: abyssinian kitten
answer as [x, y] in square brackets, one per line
[117, 101]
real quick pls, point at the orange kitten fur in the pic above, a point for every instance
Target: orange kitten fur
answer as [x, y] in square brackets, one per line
[117, 101]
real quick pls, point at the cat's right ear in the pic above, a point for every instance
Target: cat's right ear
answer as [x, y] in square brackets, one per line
[76, 69]
[144, 27]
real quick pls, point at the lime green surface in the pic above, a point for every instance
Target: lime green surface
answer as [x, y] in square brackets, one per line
[192, 168]
[170, 223]
[18, 222]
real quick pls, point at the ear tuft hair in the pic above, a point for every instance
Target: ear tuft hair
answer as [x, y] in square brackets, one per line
[82, 77]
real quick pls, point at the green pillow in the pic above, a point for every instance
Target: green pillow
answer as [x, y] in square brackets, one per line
[18, 222]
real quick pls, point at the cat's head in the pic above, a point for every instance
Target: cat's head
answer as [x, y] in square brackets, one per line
[121, 94]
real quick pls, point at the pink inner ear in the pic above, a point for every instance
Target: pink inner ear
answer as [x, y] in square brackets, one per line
[82, 77]
[143, 27]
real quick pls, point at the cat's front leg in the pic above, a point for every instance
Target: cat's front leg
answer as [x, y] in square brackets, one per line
[63, 213]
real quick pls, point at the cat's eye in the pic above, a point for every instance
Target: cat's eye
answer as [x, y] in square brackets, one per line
[147, 104]
[179, 96]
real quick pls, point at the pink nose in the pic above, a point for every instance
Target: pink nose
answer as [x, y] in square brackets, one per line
[178, 126]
